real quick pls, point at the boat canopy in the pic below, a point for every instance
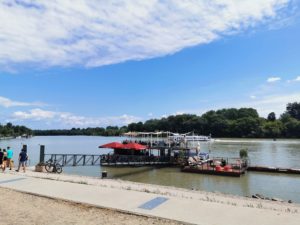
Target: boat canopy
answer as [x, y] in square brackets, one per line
[135, 146]
[117, 145]
[114, 145]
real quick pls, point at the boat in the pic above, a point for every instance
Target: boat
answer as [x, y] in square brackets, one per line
[232, 173]
[234, 167]
[189, 138]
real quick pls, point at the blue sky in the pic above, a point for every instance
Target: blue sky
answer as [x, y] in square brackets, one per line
[86, 64]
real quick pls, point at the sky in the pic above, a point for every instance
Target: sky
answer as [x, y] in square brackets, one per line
[90, 63]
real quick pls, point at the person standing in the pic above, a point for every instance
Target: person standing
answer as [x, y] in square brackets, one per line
[4, 162]
[1, 158]
[22, 160]
[10, 154]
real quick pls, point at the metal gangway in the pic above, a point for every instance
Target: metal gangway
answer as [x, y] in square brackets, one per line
[70, 159]
[74, 159]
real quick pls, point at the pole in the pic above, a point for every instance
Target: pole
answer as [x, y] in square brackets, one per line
[42, 153]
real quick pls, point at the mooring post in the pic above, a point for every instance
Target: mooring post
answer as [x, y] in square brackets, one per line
[42, 153]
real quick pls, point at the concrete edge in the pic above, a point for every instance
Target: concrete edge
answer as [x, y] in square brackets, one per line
[88, 205]
[219, 194]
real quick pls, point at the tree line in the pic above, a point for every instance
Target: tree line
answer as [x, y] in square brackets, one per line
[9, 130]
[97, 131]
[231, 122]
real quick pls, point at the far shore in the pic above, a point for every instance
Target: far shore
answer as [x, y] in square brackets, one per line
[214, 139]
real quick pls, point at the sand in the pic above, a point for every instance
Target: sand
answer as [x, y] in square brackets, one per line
[18, 208]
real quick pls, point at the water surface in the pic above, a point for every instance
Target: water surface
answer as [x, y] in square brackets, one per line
[280, 153]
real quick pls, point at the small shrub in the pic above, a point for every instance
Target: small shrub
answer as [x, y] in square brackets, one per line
[244, 153]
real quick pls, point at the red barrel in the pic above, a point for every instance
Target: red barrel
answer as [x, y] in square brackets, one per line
[219, 168]
[227, 168]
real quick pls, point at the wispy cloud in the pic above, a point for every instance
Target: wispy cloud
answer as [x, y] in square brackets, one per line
[297, 79]
[66, 119]
[7, 103]
[273, 98]
[273, 79]
[266, 98]
[272, 103]
[95, 33]
[263, 104]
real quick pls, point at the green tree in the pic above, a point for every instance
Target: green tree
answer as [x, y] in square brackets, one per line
[271, 117]
[272, 129]
[293, 109]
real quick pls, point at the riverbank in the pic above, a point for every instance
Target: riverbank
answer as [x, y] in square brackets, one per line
[184, 205]
[6, 138]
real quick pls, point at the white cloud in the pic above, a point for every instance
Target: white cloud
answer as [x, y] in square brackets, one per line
[94, 33]
[34, 114]
[264, 104]
[164, 116]
[273, 79]
[252, 96]
[180, 113]
[6, 102]
[66, 119]
[297, 79]
[272, 103]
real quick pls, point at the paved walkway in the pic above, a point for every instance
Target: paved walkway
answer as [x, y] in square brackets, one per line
[193, 211]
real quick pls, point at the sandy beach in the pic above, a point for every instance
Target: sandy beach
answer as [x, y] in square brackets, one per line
[29, 209]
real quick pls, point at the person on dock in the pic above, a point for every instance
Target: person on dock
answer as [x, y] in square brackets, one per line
[4, 162]
[22, 160]
[9, 157]
[1, 158]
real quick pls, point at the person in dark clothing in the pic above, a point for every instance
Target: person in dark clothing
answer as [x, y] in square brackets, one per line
[1, 158]
[22, 160]
[4, 161]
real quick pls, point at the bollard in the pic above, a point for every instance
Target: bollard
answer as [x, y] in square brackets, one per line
[42, 153]
[104, 174]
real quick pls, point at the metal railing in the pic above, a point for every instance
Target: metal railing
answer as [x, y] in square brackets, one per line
[133, 159]
[74, 159]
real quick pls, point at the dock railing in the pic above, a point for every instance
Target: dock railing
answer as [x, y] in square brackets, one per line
[74, 159]
[133, 160]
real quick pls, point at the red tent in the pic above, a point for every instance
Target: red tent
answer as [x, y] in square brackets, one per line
[114, 145]
[134, 146]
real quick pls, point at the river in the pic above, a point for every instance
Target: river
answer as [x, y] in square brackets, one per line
[284, 153]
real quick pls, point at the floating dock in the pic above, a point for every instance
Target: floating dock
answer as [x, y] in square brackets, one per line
[232, 173]
[273, 169]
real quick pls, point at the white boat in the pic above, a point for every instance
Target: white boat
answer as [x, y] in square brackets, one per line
[189, 138]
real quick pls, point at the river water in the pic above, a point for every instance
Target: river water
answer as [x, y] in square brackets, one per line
[280, 153]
